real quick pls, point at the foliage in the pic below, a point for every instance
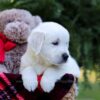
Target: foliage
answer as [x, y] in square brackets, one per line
[89, 94]
[80, 17]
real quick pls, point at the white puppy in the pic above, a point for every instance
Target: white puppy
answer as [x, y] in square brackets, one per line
[47, 53]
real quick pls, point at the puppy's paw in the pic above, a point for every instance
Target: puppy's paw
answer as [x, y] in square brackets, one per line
[47, 84]
[29, 79]
[30, 83]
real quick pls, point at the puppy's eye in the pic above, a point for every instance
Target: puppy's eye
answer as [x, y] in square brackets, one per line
[55, 43]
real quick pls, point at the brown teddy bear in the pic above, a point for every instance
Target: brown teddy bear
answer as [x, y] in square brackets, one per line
[15, 26]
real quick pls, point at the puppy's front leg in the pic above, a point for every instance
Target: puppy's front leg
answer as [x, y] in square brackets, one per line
[50, 77]
[29, 78]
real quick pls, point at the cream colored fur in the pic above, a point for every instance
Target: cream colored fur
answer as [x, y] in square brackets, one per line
[37, 58]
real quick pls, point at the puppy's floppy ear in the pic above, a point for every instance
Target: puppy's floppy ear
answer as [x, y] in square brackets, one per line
[36, 40]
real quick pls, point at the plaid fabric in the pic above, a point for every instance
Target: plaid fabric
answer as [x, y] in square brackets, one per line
[62, 87]
[7, 90]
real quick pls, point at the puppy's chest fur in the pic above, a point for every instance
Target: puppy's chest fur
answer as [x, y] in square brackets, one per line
[39, 69]
[30, 59]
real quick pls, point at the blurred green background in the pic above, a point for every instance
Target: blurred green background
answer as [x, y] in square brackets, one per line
[82, 19]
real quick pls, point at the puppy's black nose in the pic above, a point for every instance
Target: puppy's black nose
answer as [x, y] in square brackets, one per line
[65, 57]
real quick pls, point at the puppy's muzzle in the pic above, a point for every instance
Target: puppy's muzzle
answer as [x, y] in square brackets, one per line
[64, 57]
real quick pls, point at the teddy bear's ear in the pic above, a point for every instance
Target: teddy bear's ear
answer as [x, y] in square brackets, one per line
[35, 40]
[38, 19]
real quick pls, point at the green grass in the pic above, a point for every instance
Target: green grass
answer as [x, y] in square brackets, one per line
[92, 93]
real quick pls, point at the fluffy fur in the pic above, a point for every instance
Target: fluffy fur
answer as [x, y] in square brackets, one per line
[46, 45]
[16, 25]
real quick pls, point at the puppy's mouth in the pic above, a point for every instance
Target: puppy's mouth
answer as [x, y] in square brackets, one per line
[59, 63]
[62, 62]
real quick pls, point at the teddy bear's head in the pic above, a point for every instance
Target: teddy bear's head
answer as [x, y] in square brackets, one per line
[17, 24]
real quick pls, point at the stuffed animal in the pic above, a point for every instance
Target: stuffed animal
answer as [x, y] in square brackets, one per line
[15, 26]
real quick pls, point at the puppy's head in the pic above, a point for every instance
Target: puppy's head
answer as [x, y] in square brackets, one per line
[51, 41]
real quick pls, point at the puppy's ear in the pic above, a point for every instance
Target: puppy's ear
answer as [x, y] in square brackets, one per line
[36, 40]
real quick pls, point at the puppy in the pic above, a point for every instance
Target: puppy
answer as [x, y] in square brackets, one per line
[47, 53]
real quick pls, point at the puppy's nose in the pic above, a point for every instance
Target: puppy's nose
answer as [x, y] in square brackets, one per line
[65, 57]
